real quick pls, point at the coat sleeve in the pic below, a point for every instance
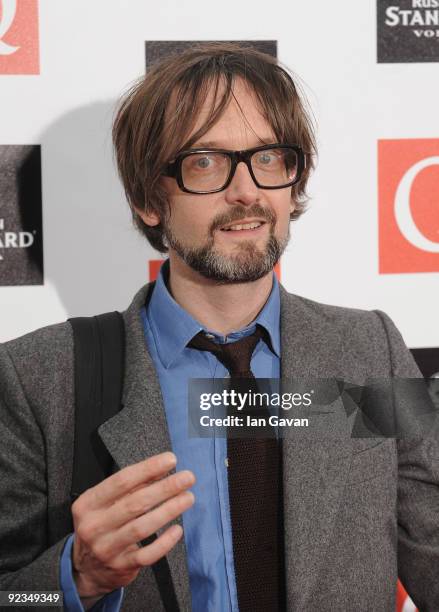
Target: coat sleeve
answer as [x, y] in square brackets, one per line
[27, 562]
[418, 493]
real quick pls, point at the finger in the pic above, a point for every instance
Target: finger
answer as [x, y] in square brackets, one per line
[142, 500]
[156, 550]
[121, 483]
[155, 479]
[147, 524]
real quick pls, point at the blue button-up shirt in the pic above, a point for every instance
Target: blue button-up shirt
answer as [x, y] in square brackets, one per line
[207, 525]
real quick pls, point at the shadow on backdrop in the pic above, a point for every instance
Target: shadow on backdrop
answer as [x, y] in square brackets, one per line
[92, 253]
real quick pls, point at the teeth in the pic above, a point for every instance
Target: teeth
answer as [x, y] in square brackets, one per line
[253, 225]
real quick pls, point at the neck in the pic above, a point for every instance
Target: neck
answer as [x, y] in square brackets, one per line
[222, 308]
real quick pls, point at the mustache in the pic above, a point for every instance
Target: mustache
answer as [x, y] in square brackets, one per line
[240, 212]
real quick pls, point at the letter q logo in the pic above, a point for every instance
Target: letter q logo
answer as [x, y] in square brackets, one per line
[403, 601]
[8, 9]
[408, 193]
[19, 37]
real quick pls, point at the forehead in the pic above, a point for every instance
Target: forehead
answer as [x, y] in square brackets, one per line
[241, 125]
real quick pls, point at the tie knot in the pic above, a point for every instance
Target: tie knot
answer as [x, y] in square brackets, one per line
[235, 356]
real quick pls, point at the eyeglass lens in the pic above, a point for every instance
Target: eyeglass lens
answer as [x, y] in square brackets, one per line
[210, 171]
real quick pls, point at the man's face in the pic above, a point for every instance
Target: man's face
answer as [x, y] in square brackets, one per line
[198, 226]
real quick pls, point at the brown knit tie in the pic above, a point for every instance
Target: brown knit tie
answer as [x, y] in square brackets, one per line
[255, 480]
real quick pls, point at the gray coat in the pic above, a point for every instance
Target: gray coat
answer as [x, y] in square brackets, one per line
[358, 513]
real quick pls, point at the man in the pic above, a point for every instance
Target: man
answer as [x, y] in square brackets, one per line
[214, 149]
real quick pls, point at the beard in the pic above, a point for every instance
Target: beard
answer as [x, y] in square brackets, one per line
[248, 264]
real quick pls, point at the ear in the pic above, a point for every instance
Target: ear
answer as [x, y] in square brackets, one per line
[292, 206]
[149, 218]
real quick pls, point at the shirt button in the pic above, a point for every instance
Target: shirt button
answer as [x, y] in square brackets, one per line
[226, 462]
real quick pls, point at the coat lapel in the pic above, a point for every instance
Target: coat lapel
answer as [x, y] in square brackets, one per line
[140, 430]
[314, 470]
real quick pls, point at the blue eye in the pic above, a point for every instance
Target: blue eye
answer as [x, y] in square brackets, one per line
[203, 162]
[265, 158]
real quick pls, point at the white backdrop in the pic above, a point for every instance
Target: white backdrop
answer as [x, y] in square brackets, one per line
[90, 51]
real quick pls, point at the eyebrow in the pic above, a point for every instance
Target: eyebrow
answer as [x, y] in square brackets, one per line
[215, 144]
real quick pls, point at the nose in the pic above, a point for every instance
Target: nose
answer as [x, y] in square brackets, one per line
[242, 189]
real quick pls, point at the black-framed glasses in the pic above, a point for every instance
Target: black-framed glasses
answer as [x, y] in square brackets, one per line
[271, 166]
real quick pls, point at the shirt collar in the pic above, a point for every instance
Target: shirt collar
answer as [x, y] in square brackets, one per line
[173, 327]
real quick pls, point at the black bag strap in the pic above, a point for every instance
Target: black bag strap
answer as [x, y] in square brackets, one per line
[99, 354]
[99, 351]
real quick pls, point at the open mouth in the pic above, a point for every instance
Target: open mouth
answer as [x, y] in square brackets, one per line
[239, 227]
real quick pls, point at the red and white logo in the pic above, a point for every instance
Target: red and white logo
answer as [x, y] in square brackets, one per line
[19, 37]
[403, 601]
[408, 195]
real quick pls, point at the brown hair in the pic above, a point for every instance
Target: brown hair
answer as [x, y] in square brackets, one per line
[147, 134]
